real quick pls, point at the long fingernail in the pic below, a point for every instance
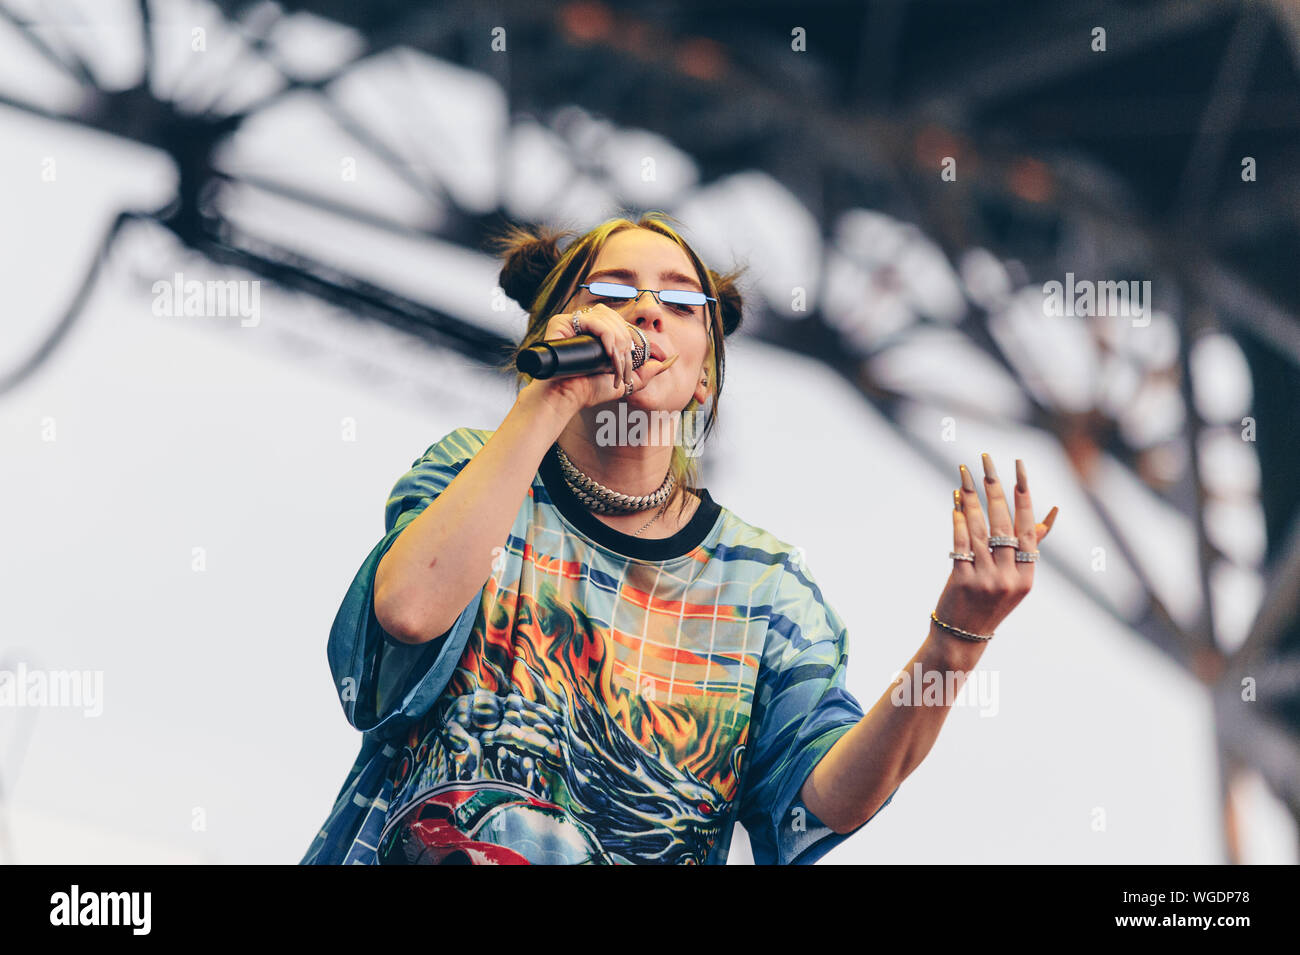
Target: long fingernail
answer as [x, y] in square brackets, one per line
[671, 360]
[990, 475]
[956, 499]
[1022, 482]
[1050, 518]
[966, 481]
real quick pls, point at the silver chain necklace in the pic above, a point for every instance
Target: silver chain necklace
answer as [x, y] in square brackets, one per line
[595, 496]
[662, 507]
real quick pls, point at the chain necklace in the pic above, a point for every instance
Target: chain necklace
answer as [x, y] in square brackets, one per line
[603, 500]
[662, 507]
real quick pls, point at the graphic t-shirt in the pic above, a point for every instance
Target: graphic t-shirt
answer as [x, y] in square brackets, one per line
[603, 699]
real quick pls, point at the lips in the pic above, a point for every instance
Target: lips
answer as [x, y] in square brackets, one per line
[656, 352]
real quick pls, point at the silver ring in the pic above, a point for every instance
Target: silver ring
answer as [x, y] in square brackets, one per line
[642, 352]
[630, 388]
[969, 555]
[1003, 542]
[577, 327]
[1026, 556]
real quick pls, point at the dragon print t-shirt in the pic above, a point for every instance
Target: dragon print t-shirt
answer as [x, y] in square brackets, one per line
[612, 699]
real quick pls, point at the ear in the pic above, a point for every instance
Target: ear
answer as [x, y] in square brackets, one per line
[702, 389]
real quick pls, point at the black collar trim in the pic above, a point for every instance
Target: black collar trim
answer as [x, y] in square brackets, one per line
[697, 529]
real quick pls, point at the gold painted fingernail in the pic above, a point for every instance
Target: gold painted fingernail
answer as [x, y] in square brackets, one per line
[966, 481]
[1050, 519]
[990, 474]
[956, 499]
[671, 360]
[1022, 482]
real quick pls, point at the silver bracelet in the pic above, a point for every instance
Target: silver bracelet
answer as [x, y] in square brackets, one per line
[964, 634]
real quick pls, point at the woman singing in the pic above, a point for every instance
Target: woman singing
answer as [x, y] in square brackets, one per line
[563, 651]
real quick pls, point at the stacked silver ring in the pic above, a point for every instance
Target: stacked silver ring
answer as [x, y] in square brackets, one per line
[640, 352]
[1023, 556]
[639, 355]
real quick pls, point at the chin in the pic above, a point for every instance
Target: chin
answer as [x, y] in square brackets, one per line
[656, 392]
[650, 402]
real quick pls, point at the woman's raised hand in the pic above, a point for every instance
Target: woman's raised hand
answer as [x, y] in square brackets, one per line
[979, 595]
[618, 337]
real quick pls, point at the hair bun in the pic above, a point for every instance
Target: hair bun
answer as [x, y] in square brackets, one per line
[730, 301]
[529, 253]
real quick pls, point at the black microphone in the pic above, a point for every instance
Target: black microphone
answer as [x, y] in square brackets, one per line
[567, 357]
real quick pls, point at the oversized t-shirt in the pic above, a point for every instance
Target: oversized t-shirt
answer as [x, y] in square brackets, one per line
[603, 699]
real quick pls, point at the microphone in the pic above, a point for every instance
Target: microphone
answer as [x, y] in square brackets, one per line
[567, 357]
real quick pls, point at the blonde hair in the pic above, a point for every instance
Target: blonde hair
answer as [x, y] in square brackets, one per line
[541, 278]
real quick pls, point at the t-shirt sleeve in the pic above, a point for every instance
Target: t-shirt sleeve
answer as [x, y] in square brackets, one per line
[801, 709]
[384, 684]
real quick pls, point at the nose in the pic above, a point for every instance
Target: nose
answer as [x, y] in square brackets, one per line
[647, 315]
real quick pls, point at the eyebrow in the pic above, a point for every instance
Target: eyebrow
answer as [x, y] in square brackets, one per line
[670, 275]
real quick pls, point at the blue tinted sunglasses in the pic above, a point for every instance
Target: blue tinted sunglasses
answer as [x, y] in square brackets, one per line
[685, 300]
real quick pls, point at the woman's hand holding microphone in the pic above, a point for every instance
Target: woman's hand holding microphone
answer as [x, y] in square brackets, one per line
[618, 338]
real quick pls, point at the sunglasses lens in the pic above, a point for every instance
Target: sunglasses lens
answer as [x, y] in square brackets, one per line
[611, 289]
[682, 297]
